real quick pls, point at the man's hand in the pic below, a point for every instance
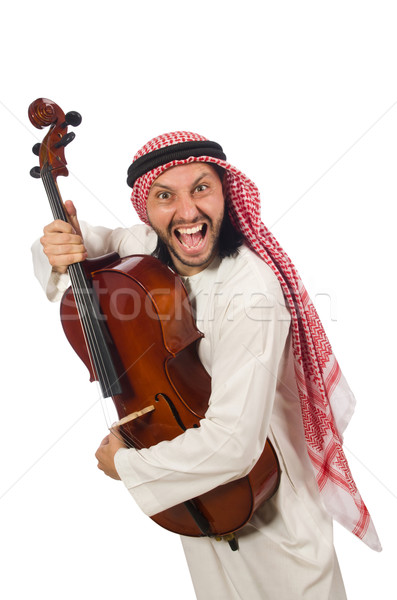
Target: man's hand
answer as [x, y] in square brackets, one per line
[106, 451]
[62, 242]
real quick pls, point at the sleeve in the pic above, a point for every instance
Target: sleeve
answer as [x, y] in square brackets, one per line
[231, 437]
[138, 239]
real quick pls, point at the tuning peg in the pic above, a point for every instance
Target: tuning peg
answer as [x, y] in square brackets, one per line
[69, 137]
[36, 149]
[72, 118]
[35, 172]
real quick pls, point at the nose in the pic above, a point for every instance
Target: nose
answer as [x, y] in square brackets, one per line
[186, 208]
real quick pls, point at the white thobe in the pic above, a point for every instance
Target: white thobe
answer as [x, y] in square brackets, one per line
[286, 551]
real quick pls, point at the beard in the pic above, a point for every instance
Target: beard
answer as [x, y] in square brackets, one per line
[170, 240]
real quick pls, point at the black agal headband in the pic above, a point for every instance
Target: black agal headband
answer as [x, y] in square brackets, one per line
[181, 151]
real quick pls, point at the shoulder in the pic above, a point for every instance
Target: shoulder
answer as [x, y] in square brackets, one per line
[138, 239]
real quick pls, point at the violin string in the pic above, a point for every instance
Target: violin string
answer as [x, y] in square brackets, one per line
[80, 296]
[79, 286]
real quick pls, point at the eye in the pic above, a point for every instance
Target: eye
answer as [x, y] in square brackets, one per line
[201, 188]
[164, 195]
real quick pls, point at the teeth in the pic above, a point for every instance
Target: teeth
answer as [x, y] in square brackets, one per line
[190, 229]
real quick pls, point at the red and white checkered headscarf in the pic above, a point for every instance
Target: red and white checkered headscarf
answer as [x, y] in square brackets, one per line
[326, 400]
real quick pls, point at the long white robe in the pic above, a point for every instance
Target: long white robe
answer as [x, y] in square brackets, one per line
[286, 551]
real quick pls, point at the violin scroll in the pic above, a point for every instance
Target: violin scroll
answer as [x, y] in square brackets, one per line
[45, 113]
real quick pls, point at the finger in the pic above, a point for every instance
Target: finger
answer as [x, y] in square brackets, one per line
[59, 249]
[65, 260]
[116, 433]
[63, 256]
[58, 226]
[71, 210]
[63, 249]
[116, 440]
[60, 237]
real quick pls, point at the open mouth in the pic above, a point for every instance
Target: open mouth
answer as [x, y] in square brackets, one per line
[191, 237]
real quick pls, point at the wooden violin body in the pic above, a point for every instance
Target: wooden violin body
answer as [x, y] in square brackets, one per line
[131, 323]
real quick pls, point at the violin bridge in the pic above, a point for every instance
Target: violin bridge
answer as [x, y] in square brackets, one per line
[134, 415]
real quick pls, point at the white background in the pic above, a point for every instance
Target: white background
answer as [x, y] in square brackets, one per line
[303, 98]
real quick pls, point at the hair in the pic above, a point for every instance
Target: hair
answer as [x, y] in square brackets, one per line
[230, 239]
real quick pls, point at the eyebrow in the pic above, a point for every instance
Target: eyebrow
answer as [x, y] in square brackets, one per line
[165, 187]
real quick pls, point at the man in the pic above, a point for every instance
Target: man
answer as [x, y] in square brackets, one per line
[272, 371]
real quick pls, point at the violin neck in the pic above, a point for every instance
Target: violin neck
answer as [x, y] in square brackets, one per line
[53, 194]
[95, 333]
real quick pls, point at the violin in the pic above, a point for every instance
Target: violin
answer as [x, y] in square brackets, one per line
[130, 321]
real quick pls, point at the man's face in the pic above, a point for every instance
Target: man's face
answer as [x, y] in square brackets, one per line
[185, 207]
